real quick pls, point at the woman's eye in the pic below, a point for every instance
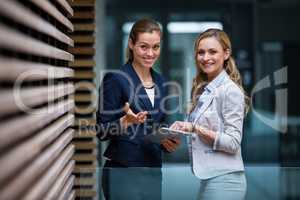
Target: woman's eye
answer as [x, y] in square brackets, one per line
[201, 52]
[212, 52]
[156, 47]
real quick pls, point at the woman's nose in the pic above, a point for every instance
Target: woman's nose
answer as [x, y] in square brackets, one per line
[205, 57]
[150, 52]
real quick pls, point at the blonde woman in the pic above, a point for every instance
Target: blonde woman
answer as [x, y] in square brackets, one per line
[216, 119]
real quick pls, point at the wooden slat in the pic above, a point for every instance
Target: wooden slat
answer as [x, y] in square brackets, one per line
[82, 170]
[23, 181]
[61, 181]
[83, 39]
[85, 172]
[46, 6]
[83, 145]
[79, 63]
[84, 97]
[23, 15]
[66, 6]
[85, 193]
[72, 195]
[82, 63]
[84, 109]
[85, 134]
[84, 15]
[84, 75]
[46, 181]
[35, 148]
[23, 99]
[81, 74]
[16, 41]
[85, 122]
[85, 181]
[85, 168]
[85, 86]
[82, 3]
[84, 27]
[15, 159]
[12, 69]
[84, 157]
[82, 51]
[26, 125]
[66, 191]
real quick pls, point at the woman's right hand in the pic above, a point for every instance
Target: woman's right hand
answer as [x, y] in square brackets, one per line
[182, 126]
[132, 118]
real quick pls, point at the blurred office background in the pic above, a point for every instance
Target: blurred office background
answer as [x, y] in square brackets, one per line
[265, 38]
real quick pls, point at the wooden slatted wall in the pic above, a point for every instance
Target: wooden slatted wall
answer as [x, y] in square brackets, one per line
[35, 100]
[85, 141]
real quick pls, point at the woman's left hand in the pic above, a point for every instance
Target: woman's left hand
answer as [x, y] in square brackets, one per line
[170, 144]
[182, 126]
[207, 136]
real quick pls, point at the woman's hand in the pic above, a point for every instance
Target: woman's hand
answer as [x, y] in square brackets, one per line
[132, 118]
[182, 126]
[170, 144]
[207, 136]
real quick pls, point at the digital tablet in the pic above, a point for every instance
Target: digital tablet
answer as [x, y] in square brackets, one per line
[172, 131]
[163, 133]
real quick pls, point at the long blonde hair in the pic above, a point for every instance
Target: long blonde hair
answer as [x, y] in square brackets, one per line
[229, 65]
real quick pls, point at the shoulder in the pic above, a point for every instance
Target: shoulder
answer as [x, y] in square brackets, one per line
[230, 92]
[159, 77]
[229, 87]
[118, 75]
[233, 89]
[233, 95]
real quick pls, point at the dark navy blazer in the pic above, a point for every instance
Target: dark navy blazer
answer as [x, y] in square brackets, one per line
[130, 147]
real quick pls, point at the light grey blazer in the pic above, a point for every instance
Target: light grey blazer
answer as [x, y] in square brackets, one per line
[223, 112]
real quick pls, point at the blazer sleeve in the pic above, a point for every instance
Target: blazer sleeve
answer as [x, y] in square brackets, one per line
[110, 108]
[229, 140]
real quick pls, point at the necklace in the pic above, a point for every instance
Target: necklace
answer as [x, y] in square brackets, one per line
[148, 84]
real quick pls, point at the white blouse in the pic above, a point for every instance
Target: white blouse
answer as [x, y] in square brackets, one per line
[151, 93]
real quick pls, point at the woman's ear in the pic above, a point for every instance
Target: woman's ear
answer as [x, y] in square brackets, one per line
[227, 54]
[130, 44]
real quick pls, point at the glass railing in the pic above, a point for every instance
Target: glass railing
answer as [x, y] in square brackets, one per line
[177, 182]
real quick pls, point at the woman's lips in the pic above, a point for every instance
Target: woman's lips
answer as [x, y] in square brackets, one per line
[207, 65]
[149, 60]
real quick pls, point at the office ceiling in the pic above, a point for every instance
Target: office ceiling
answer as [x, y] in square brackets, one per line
[157, 5]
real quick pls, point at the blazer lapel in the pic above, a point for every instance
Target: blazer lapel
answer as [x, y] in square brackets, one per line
[140, 94]
[158, 91]
[159, 94]
[207, 101]
[143, 97]
[212, 87]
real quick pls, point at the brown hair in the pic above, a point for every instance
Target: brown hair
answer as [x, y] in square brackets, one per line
[141, 26]
[229, 65]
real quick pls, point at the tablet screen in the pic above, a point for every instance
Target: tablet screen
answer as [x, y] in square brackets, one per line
[172, 131]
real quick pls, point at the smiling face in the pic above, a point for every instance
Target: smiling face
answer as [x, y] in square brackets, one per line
[210, 57]
[146, 49]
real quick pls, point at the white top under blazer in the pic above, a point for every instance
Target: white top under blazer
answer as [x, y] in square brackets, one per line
[220, 108]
